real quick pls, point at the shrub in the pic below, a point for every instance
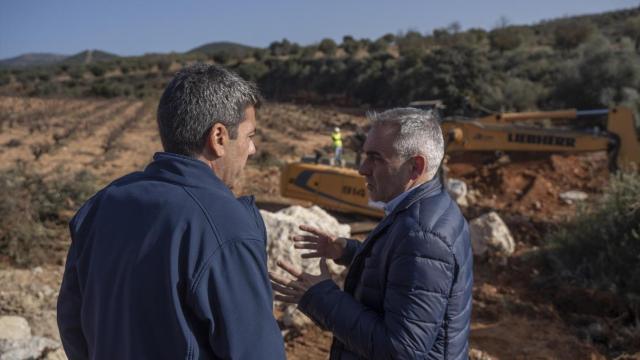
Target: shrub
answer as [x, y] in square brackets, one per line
[5, 78]
[47, 89]
[97, 70]
[33, 219]
[280, 48]
[77, 72]
[600, 249]
[631, 29]
[252, 71]
[599, 78]
[222, 57]
[504, 39]
[164, 65]
[570, 34]
[350, 45]
[328, 46]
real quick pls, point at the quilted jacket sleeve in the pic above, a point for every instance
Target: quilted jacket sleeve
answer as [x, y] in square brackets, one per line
[419, 280]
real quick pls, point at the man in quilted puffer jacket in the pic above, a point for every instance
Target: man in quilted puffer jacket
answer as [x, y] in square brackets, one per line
[408, 291]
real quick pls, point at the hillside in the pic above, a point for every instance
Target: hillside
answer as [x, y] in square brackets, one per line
[31, 60]
[233, 49]
[89, 57]
[571, 62]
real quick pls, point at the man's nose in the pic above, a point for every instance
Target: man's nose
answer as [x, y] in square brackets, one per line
[252, 148]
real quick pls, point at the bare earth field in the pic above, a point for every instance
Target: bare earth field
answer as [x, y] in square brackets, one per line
[513, 318]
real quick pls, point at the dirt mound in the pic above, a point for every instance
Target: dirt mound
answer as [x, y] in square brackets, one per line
[531, 185]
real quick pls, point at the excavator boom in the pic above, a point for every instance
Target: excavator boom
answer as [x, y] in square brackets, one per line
[344, 190]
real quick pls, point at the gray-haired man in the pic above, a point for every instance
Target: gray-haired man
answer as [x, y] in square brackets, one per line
[408, 291]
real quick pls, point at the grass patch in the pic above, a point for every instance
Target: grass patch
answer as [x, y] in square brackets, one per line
[35, 213]
[601, 247]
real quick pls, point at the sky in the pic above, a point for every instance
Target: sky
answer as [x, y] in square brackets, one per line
[135, 27]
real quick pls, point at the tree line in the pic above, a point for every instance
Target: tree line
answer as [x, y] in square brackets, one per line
[584, 62]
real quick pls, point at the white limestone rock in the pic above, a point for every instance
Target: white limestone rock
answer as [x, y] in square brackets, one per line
[573, 196]
[281, 226]
[14, 328]
[491, 236]
[25, 349]
[458, 191]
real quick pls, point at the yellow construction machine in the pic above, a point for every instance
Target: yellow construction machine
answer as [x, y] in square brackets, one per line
[343, 189]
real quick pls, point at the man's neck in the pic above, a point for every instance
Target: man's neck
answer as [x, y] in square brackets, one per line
[391, 204]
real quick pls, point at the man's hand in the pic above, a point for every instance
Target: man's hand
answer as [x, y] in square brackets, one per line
[291, 291]
[322, 244]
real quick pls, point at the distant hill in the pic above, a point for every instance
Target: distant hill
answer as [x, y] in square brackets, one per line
[232, 49]
[32, 59]
[90, 56]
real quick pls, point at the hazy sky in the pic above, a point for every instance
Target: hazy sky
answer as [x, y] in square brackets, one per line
[135, 27]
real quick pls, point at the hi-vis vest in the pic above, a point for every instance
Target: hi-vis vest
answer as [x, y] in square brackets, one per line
[337, 139]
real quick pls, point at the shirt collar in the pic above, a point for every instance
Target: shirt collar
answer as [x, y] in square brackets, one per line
[389, 206]
[184, 170]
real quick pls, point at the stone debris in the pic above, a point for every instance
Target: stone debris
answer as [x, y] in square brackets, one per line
[458, 191]
[16, 342]
[573, 196]
[491, 236]
[475, 354]
[14, 328]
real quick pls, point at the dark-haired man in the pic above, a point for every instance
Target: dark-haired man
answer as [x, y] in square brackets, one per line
[167, 263]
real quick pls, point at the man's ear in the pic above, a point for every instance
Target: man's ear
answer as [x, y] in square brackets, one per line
[217, 140]
[419, 166]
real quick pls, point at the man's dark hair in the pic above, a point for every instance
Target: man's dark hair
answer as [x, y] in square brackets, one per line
[198, 97]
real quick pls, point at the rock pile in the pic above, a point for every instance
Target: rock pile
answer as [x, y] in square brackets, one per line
[16, 342]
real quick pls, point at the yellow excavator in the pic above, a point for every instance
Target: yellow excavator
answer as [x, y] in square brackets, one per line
[344, 190]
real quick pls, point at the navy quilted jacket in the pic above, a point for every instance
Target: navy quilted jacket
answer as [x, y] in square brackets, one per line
[408, 291]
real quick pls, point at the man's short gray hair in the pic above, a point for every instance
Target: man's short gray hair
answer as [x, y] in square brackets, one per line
[198, 97]
[419, 133]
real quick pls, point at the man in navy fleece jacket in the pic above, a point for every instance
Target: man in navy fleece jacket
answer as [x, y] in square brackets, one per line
[167, 263]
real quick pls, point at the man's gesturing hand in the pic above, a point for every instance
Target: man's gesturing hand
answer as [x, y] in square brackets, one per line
[321, 244]
[291, 291]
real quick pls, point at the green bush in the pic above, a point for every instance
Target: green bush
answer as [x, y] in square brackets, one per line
[34, 217]
[631, 29]
[600, 249]
[504, 39]
[328, 46]
[5, 77]
[47, 89]
[97, 70]
[600, 77]
[111, 88]
[252, 71]
[350, 45]
[570, 34]
[77, 72]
